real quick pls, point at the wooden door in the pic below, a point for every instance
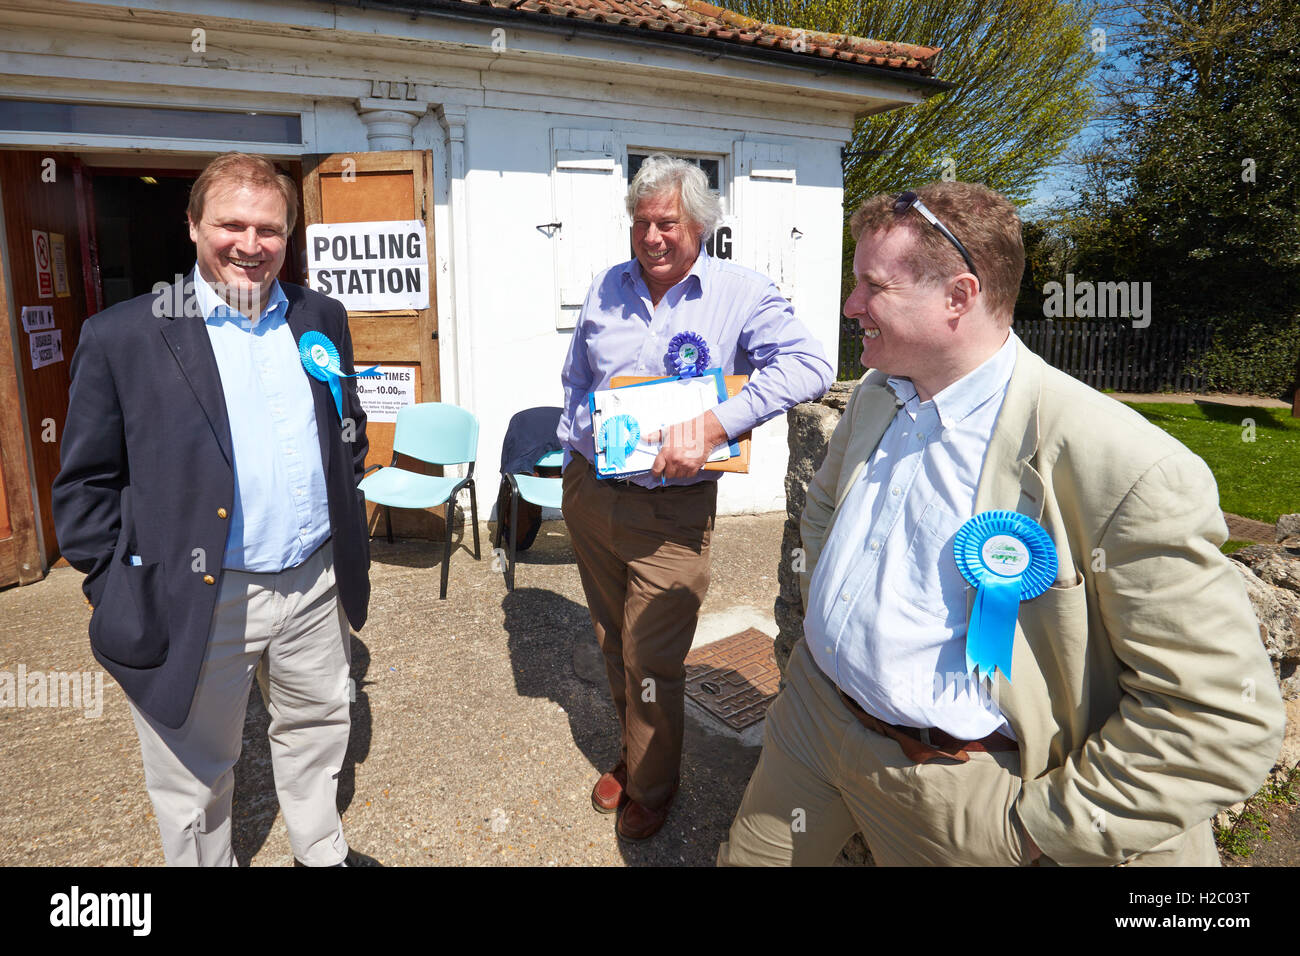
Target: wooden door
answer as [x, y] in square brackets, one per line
[20, 558]
[385, 187]
[43, 243]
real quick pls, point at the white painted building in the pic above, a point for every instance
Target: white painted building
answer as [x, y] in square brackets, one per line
[529, 117]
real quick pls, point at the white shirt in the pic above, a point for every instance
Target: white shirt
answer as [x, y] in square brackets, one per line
[887, 606]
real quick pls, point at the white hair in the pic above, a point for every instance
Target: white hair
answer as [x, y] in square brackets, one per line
[660, 173]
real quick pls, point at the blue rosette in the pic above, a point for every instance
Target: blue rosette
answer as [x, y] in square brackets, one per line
[618, 437]
[1008, 558]
[320, 358]
[688, 354]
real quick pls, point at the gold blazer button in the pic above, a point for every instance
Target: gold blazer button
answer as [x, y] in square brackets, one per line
[209, 579]
[221, 512]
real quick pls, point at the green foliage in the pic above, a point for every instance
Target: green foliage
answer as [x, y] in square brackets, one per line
[1248, 827]
[1021, 73]
[1252, 356]
[1254, 453]
[1190, 183]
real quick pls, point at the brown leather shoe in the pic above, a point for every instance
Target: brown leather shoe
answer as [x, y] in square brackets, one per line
[641, 823]
[610, 791]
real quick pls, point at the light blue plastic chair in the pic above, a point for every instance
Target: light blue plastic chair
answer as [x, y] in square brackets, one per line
[546, 492]
[439, 434]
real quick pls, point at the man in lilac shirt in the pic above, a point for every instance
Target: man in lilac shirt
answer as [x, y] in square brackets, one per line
[642, 544]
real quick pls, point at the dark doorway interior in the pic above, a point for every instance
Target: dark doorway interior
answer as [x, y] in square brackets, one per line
[141, 231]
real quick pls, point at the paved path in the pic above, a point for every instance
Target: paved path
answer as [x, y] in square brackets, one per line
[1191, 398]
[479, 728]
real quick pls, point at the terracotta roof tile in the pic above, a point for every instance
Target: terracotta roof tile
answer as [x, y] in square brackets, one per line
[697, 18]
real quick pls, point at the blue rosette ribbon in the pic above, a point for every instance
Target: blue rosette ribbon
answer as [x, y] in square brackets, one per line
[688, 354]
[1007, 558]
[619, 436]
[320, 357]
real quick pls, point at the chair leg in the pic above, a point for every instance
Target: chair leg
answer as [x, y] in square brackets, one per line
[473, 512]
[446, 547]
[388, 522]
[514, 538]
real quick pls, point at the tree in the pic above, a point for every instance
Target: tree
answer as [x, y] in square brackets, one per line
[1021, 73]
[1189, 181]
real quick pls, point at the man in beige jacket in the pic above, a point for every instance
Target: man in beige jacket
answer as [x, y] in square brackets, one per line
[1140, 700]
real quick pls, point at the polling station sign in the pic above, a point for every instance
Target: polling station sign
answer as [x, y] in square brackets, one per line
[370, 266]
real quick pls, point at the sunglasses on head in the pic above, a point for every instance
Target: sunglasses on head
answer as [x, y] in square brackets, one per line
[910, 200]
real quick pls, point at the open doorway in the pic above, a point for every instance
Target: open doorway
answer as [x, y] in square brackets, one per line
[78, 232]
[141, 232]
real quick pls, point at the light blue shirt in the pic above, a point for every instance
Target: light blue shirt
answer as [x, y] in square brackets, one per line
[747, 324]
[280, 514]
[887, 606]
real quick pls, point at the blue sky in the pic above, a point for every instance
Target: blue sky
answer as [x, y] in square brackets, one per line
[1056, 184]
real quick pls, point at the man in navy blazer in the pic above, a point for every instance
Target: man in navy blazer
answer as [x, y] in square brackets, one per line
[208, 490]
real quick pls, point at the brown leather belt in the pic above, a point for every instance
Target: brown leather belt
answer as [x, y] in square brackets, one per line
[921, 744]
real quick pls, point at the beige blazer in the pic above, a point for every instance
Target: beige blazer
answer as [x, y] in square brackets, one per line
[1142, 696]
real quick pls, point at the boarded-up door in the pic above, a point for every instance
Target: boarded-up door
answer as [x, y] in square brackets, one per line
[385, 187]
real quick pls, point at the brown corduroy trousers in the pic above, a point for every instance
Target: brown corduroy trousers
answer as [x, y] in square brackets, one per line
[643, 555]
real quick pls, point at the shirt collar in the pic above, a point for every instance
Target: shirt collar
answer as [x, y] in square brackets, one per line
[701, 269]
[972, 390]
[215, 310]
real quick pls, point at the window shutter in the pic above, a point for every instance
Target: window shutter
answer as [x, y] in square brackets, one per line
[766, 200]
[590, 236]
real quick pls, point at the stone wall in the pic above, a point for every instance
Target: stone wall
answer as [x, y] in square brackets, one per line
[809, 428]
[1271, 573]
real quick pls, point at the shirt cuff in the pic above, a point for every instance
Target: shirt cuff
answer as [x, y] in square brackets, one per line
[734, 416]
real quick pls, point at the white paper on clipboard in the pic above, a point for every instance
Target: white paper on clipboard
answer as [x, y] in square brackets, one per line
[655, 406]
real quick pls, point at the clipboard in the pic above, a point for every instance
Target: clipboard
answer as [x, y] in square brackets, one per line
[738, 463]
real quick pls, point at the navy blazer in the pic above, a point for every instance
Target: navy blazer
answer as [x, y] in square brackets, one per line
[146, 470]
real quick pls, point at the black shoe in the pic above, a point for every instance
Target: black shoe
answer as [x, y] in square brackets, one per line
[352, 859]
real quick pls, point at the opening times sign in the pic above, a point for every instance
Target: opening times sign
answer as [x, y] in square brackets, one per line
[370, 266]
[383, 397]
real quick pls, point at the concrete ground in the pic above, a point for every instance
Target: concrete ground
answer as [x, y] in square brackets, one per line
[480, 726]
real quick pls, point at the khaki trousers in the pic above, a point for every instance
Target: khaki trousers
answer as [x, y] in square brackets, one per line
[643, 555]
[822, 776]
[291, 630]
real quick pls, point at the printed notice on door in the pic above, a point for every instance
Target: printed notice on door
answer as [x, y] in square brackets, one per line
[382, 398]
[47, 348]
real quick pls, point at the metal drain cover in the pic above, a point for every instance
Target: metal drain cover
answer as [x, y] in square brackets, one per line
[735, 678]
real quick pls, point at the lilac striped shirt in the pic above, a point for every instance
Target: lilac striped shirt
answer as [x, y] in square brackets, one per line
[749, 328]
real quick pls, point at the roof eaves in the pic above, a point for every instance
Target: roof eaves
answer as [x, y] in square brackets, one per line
[766, 48]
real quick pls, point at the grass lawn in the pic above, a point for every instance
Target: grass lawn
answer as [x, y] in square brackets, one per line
[1257, 479]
